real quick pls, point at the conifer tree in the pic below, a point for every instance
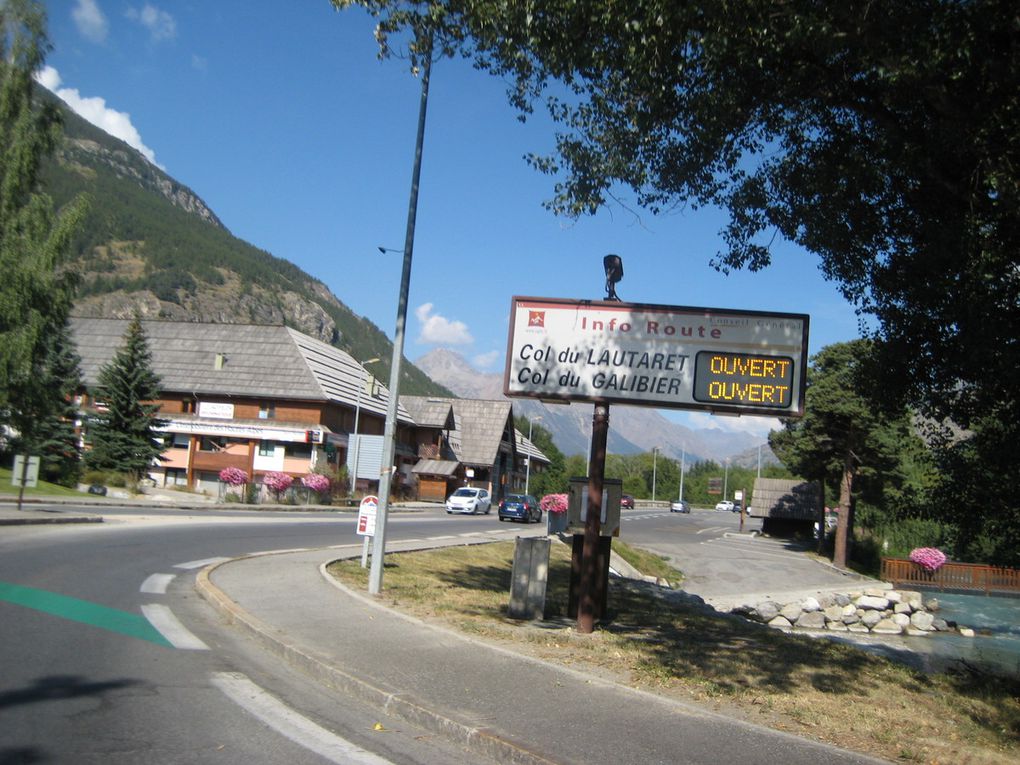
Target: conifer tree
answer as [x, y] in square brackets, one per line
[36, 291]
[123, 437]
[43, 413]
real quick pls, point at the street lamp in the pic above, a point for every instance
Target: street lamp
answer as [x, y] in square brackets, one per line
[375, 576]
[655, 465]
[357, 416]
[531, 448]
[683, 459]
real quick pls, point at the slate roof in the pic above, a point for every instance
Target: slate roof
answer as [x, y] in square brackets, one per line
[784, 498]
[271, 362]
[527, 449]
[430, 411]
[436, 467]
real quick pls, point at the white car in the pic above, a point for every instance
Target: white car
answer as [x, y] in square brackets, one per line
[726, 505]
[469, 500]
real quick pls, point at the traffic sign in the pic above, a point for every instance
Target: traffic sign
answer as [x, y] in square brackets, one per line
[366, 516]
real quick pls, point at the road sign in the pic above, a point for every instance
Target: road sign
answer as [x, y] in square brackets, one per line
[366, 516]
[673, 357]
[29, 474]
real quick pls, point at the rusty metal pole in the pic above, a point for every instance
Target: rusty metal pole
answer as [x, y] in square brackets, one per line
[588, 606]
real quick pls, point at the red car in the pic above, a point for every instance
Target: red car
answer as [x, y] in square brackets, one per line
[627, 501]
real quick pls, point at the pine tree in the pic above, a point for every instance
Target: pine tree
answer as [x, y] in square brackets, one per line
[36, 292]
[123, 438]
[43, 412]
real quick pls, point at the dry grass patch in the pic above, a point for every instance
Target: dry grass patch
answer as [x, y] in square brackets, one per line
[660, 641]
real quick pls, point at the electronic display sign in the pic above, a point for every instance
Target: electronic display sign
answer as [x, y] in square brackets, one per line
[671, 357]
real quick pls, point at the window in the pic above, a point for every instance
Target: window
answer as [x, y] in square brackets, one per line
[267, 448]
[178, 440]
[299, 450]
[212, 443]
[188, 406]
[267, 411]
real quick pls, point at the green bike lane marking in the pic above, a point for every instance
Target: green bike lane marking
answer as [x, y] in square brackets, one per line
[86, 612]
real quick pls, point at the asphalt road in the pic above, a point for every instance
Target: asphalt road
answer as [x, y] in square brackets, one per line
[86, 679]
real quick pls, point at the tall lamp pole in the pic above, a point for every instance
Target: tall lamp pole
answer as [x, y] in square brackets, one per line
[683, 459]
[655, 464]
[527, 472]
[375, 576]
[357, 416]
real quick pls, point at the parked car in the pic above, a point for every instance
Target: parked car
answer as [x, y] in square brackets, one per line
[679, 506]
[726, 505]
[627, 502]
[469, 500]
[520, 507]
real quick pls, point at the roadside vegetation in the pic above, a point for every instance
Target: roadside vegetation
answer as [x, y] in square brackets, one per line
[662, 642]
[43, 489]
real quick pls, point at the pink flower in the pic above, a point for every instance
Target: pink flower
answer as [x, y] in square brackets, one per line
[554, 503]
[233, 476]
[278, 482]
[315, 482]
[928, 558]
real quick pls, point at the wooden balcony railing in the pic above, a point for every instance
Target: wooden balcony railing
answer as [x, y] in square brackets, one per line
[969, 577]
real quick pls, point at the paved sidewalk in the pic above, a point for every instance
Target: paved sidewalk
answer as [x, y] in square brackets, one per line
[501, 704]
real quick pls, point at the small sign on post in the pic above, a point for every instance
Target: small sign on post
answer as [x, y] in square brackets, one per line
[24, 475]
[367, 512]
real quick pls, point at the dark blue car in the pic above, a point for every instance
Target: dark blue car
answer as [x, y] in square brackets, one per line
[520, 507]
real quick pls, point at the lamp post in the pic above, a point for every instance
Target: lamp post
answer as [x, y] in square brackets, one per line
[527, 472]
[726, 478]
[655, 464]
[357, 416]
[683, 459]
[375, 576]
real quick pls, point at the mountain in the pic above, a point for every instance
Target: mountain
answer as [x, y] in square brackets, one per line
[632, 429]
[150, 244]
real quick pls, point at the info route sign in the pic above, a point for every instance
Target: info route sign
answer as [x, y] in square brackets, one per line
[669, 357]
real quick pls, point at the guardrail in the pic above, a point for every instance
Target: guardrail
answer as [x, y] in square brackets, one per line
[970, 577]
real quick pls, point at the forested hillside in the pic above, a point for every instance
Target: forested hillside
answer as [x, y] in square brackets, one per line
[151, 244]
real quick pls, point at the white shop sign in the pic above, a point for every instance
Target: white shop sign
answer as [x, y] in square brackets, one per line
[215, 409]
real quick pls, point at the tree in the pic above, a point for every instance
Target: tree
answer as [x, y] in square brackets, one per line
[882, 136]
[36, 291]
[122, 434]
[553, 479]
[843, 440]
[43, 411]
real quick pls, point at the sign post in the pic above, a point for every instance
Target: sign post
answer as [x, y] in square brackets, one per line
[670, 357]
[25, 473]
[367, 512]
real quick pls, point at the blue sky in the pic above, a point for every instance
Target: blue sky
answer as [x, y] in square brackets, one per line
[282, 118]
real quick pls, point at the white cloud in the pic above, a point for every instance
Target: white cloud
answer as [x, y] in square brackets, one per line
[95, 110]
[161, 25]
[90, 20]
[486, 361]
[438, 330]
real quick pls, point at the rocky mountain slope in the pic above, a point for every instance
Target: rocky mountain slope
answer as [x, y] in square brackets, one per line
[150, 244]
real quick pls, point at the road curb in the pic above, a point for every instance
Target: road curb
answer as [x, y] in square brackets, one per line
[481, 740]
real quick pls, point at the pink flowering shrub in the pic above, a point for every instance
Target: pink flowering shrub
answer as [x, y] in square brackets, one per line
[277, 482]
[233, 476]
[553, 503]
[316, 482]
[928, 558]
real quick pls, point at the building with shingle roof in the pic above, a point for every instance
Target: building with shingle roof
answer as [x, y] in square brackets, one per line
[480, 447]
[259, 398]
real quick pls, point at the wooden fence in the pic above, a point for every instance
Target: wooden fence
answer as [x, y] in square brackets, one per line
[967, 577]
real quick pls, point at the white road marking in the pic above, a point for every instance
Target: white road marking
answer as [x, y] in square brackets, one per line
[290, 724]
[713, 529]
[170, 627]
[200, 563]
[156, 584]
[436, 539]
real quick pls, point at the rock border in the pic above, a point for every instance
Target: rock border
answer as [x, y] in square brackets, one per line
[870, 611]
